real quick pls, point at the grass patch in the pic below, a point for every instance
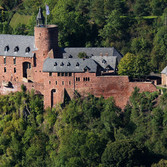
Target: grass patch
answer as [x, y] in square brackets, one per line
[19, 19]
[150, 17]
[140, 17]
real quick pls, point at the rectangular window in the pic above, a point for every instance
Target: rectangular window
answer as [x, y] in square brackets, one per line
[70, 74]
[62, 74]
[49, 82]
[14, 61]
[69, 82]
[66, 74]
[77, 78]
[14, 70]
[56, 82]
[62, 82]
[50, 74]
[4, 69]
[4, 60]
[86, 79]
[58, 74]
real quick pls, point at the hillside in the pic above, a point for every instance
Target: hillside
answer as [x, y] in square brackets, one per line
[85, 132]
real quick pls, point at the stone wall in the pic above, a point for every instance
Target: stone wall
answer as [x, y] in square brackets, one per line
[117, 86]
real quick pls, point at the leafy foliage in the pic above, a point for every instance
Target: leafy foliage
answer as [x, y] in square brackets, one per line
[88, 131]
[134, 66]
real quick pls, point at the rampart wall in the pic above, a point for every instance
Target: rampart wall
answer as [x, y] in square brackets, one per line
[117, 86]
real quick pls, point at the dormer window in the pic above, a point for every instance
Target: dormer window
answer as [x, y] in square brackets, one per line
[27, 50]
[6, 49]
[86, 69]
[70, 56]
[104, 61]
[55, 64]
[77, 64]
[68, 64]
[62, 64]
[16, 49]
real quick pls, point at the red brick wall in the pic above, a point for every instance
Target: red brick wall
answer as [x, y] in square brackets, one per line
[9, 75]
[46, 38]
[117, 86]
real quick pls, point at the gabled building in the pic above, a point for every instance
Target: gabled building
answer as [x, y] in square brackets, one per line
[38, 63]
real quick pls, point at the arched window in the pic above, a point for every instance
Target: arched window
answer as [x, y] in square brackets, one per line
[16, 49]
[27, 50]
[6, 49]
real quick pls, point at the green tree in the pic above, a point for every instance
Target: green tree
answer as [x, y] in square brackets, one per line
[82, 55]
[124, 153]
[114, 29]
[126, 65]
[142, 67]
[159, 58]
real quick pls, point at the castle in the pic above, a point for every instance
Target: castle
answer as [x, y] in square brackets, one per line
[38, 63]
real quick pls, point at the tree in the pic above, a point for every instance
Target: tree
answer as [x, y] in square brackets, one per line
[114, 29]
[124, 153]
[141, 8]
[159, 57]
[73, 26]
[126, 65]
[134, 66]
[82, 55]
[142, 67]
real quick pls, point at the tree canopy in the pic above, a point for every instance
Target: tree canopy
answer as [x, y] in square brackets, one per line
[88, 131]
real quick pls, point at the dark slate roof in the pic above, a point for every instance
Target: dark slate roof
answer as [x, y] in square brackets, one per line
[164, 71]
[106, 61]
[94, 51]
[20, 41]
[69, 65]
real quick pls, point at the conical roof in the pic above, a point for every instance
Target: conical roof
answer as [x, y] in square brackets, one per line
[40, 18]
[40, 15]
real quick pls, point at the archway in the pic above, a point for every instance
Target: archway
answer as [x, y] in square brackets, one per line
[26, 66]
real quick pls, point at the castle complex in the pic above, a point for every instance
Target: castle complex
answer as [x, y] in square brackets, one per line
[38, 63]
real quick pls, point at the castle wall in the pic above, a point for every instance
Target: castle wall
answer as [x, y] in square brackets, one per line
[10, 71]
[117, 86]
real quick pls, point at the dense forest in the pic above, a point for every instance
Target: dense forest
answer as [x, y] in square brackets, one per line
[90, 131]
[135, 26]
[83, 132]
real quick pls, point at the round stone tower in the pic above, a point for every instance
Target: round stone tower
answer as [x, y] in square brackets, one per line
[46, 36]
